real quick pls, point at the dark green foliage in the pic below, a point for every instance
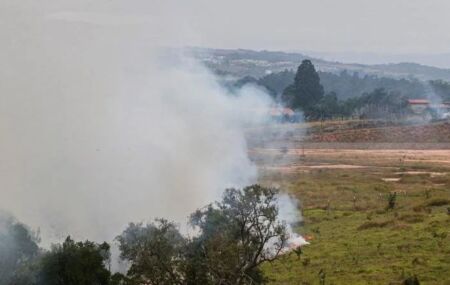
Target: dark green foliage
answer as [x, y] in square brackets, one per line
[306, 91]
[75, 263]
[232, 241]
[155, 251]
[120, 279]
[411, 281]
[236, 231]
[379, 104]
[329, 107]
[441, 88]
[392, 200]
[277, 81]
[350, 85]
[353, 95]
[306, 94]
[347, 94]
[18, 252]
[347, 85]
[322, 275]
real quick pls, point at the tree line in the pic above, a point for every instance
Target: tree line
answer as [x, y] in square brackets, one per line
[324, 95]
[233, 238]
[307, 94]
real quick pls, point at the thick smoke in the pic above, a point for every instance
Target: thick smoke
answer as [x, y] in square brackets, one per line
[99, 130]
[290, 214]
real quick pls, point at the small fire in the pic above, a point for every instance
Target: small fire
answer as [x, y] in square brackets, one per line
[294, 242]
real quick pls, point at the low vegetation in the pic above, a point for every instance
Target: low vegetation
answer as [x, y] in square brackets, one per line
[358, 234]
[234, 237]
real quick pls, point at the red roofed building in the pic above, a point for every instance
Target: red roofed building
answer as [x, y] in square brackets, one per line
[418, 102]
[425, 110]
[418, 106]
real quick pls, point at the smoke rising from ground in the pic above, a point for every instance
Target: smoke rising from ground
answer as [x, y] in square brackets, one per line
[290, 214]
[99, 130]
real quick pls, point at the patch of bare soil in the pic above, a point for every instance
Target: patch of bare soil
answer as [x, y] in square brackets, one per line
[306, 168]
[390, 179]
[400, 155]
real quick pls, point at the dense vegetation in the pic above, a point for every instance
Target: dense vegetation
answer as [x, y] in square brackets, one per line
[234, 237]
[347, 85]
[306, 93]
[18, 252]
[324, 95]
[441, 88]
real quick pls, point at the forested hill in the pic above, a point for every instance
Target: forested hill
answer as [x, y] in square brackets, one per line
[347, 85]
[242, 63]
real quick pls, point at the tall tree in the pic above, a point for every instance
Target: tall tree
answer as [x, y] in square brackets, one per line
[233, 238]
[18, 252]
[306, 91]
[75, 263]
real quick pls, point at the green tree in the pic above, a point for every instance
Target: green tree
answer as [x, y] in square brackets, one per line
[75, 263]
[306, 91]
[155, 252]
[240, 233]
[18, 252]
[328, 107]
[234, 237]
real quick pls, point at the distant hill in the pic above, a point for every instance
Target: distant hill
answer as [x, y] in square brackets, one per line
[241, 63]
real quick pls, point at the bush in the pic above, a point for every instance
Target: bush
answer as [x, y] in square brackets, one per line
[392, 200]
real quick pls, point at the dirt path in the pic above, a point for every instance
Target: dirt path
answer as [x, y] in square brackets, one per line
[348, 158]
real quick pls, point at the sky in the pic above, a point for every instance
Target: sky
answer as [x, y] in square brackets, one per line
[382, 26]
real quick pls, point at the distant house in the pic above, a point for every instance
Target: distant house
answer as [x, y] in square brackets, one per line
[418, 106]
[425, 110]
[277, 114]
[282, 114]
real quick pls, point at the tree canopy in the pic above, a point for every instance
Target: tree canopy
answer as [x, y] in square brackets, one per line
[306, 91]
[75, 263]
[234, 237]
[18, 251]
[231, 239]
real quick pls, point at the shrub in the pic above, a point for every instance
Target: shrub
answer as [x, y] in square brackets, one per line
[392, 200]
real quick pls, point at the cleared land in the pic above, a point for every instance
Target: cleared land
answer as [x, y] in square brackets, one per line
[344, 191]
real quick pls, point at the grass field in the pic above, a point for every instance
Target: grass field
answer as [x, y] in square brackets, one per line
[356, 239]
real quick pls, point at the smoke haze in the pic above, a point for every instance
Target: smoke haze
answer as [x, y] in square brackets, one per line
[99, 130]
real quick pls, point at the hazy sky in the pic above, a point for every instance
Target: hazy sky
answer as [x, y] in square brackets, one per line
[382, 26]
[400, 26]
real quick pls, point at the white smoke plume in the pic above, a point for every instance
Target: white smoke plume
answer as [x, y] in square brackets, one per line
[99, 130]
[435, 100]
[288, 211]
